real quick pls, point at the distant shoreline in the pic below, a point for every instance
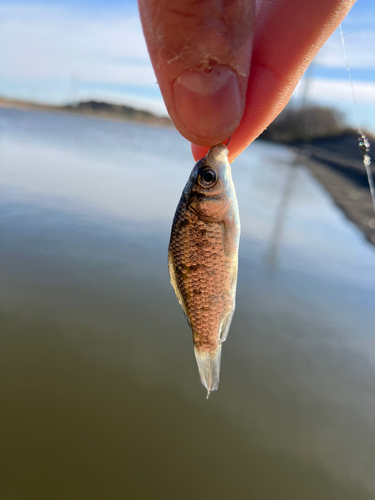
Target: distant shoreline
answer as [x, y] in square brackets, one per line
[94, 109]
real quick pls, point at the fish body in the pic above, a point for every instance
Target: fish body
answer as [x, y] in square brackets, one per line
[203, 258]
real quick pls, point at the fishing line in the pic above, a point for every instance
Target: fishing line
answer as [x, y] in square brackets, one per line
[363, 142]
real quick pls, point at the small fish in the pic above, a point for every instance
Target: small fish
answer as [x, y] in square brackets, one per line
[203, 258]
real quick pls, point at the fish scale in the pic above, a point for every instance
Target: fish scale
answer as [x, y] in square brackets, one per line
[203, 255]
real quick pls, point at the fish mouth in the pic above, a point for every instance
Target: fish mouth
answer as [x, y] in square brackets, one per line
[209, 368]
[219, 150]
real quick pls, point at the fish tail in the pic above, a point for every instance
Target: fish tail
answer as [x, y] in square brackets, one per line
[209, 368]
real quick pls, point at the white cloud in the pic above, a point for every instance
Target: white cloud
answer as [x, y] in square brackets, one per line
[359, 46]
[39, 42]
[329, 90]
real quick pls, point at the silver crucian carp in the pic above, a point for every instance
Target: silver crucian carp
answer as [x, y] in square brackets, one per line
[203, 258]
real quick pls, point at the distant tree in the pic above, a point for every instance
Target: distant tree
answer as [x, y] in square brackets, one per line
[305, 124]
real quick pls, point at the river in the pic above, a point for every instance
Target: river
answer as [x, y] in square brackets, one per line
[100, 393]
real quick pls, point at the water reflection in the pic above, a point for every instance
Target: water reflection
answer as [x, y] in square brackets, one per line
[100, 394]
[281, 212]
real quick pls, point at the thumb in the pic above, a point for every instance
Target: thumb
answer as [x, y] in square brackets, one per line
[201, 53]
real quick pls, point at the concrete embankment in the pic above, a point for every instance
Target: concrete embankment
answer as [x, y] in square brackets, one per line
[337, 164]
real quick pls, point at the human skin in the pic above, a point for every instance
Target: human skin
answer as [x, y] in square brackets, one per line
[227, 68]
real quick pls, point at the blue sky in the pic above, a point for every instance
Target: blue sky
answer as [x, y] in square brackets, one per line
[59, 51]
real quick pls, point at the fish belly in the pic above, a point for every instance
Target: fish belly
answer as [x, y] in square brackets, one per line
[203, 276]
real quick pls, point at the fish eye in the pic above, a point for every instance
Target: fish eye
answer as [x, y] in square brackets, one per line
[207, 177]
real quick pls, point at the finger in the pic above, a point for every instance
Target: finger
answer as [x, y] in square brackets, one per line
[288, 34]
[201, 52]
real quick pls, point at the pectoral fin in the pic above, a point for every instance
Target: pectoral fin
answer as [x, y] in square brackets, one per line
[172, 275]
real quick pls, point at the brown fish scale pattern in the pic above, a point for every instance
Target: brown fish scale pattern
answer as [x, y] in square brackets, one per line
[204, 275]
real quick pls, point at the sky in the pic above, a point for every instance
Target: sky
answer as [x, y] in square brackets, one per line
[57, 51]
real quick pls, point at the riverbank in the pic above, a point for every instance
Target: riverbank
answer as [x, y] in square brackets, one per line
[336, 163]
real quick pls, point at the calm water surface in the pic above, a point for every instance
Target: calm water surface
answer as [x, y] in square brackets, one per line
[100, 393]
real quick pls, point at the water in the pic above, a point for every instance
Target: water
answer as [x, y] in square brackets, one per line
[100, 393]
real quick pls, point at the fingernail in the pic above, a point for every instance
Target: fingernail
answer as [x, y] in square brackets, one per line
[208, 103]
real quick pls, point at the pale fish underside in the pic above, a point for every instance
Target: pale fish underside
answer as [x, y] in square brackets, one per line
[203, 258]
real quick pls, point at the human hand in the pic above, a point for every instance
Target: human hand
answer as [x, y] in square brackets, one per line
[228, 67]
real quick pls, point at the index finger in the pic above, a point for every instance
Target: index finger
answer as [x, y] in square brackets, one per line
[287, 36]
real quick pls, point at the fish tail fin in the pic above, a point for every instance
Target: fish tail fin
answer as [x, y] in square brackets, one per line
[209, 368]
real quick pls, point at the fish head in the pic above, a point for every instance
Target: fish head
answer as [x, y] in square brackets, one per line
[209, 188]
